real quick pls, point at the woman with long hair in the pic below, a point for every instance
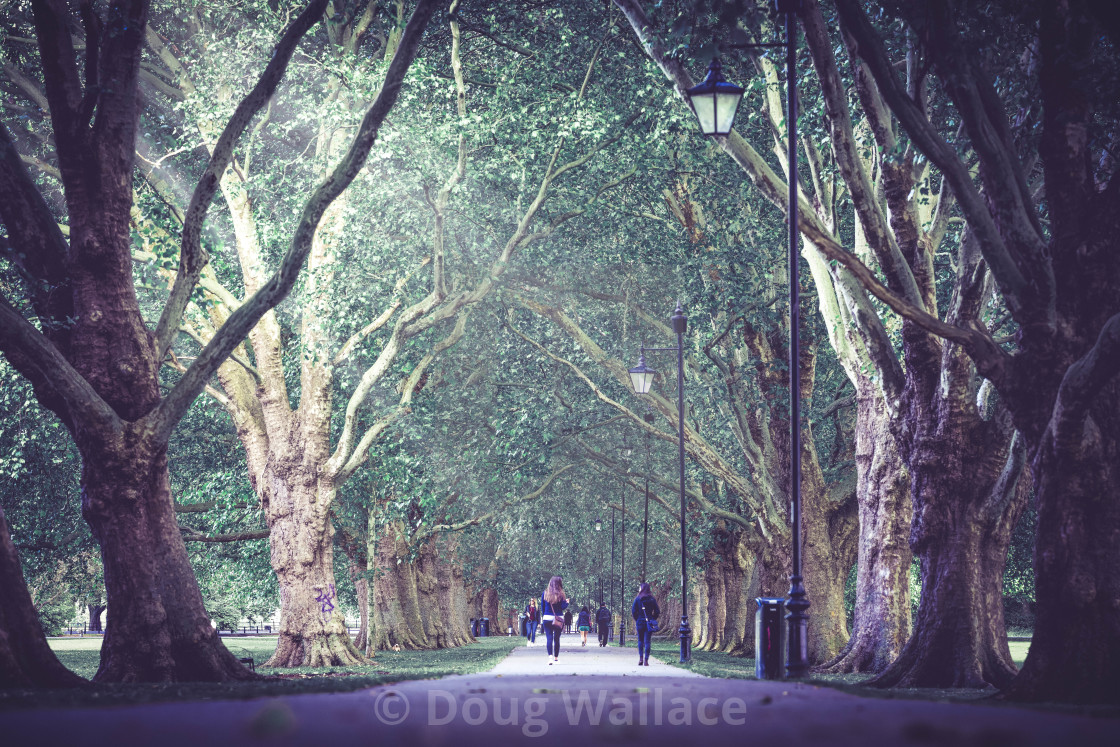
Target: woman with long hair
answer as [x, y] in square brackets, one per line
[643, 611]
[553, 603]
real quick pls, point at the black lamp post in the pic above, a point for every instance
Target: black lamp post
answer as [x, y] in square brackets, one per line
[612, 558]
[642, 378]
[627, 450]
[648, 417]
[797, 660]
[599, 528]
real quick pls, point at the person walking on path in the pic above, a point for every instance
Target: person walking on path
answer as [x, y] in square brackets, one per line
[645, 611]
[567, 621]
[532, 617]
[583, 623]
[603, 624]
[553, 603]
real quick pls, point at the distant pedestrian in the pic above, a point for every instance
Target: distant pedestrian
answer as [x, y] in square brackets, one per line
[553, 603]
[645, 613]
[583, 624]
[532, 617]
[603, 624]
[567, 621]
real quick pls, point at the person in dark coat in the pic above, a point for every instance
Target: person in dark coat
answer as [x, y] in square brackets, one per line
[553, 603]
[643, 610]
[532, 617]
[603, 624]
[583, 624]
[567, 621]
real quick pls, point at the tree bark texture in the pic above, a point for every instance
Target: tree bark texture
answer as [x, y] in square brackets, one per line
[157, 627]
[301, 537]
[966, 501]
[446, 603]
[418, 602]
[26, 660]
[1058, 283]
[1075, 651]
[881, 623]
[724, 587]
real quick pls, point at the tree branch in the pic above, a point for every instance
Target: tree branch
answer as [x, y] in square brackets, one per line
[189, 535]
[37, 358]
[1013, 283]
[43, 250]
[420, 537]
[163, 419]
[1081, 384]
[192, 258]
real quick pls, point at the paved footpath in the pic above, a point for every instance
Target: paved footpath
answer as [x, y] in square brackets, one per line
[592, 696]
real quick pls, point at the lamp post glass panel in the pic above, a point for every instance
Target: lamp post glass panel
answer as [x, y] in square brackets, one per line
[715, 101]
[642, 378]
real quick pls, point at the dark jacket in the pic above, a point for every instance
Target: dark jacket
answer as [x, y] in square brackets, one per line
[603, 616]
[644, 607]
[546, 608]
[533, 613]
[584, 618]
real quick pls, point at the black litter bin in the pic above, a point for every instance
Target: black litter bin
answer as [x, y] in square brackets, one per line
[770, 639]
[484, 627]
[474, 627]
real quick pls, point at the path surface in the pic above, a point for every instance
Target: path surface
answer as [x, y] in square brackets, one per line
[593, 696]
[576, 660]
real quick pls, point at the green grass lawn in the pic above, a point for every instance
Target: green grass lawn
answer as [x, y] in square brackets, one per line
[718, 664]
[83, 654]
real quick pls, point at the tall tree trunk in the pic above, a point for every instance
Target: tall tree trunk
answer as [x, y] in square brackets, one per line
[157, 629]
[713, 602]
[882, 608]
[453, 602]
[302, 542]
[830, 540]
[95, 611]
[1076, 557]
[26, 660]
[965, 509]
[397, 615]
[726, 576]
[749, 591]
[361, 590]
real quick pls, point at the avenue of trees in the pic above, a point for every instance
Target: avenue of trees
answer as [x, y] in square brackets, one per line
[334, 300]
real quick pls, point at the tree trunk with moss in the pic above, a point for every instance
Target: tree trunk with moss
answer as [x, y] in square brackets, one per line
[397, 613]
[420, 599]
[452, 592]
[727, 574]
